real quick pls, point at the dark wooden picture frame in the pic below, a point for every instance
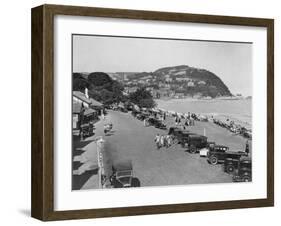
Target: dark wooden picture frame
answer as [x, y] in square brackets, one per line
[42, 203]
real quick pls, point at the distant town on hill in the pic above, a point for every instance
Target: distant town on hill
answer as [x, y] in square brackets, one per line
[175, 82]
[171, 82]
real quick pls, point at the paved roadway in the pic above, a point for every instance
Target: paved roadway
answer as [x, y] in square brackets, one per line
[167, 166]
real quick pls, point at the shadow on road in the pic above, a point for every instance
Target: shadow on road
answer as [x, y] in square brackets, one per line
[79, 180]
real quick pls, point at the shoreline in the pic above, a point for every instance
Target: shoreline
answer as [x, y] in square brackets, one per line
[190, 99]
[218, 109]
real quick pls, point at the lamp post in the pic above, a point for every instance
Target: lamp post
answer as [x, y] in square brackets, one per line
[100, 147]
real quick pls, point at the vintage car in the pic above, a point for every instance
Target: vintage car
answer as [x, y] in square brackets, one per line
[87, 130]
[231, 164]
[142, 116]
[243, 173]
[219, 153]
[183, 136]
[122, 175]
[135, 113]
[194, 142]
[156, 123]
[174, 131]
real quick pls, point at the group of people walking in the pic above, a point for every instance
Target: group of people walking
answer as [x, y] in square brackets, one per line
[186, 122]
[107, 127]
[163, 141]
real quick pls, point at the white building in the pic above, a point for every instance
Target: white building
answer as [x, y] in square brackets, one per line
[79, 97]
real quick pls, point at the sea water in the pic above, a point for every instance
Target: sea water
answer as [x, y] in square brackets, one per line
[239, 110]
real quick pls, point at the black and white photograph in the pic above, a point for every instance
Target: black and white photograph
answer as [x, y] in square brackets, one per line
[160, 112]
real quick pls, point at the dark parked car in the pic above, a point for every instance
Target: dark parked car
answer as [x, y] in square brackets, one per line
[142, 116]
[122, 175]
[157, 123]
[219, 153]
[243, 172]
[175, 131]
[230, 165]
[135, 113]
[128, 106]
[183, 137]
[87, 129]
[123, 109]
[194, 142]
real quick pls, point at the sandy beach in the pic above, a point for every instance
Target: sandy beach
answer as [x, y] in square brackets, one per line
[239, 111]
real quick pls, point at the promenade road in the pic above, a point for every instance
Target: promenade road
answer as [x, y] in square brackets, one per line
[167, 166]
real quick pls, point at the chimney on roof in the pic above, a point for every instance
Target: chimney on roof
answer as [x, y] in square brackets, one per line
[86, 93]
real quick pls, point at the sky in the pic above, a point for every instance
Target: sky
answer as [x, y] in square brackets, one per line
[232, 62]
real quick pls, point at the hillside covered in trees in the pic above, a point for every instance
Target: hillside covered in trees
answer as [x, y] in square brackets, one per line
[100, 85]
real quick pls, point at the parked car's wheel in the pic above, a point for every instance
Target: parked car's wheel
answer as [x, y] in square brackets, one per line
[213, 160]
[136, 182]
[192, 149]
[229, 168]
[246, 178]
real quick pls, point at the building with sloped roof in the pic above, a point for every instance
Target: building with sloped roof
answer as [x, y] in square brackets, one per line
[79, 97]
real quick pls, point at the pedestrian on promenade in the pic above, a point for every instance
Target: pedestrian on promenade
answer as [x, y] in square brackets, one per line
[247, 148]
[144, 122]
[192, 122]
[165, 141]
[105, 129]
[102, 116]
[169, 140]
[81, 134]
[157, 141]
[162, 141]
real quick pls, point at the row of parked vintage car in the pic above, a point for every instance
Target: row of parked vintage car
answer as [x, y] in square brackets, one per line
[152, 121]
[237, 163]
